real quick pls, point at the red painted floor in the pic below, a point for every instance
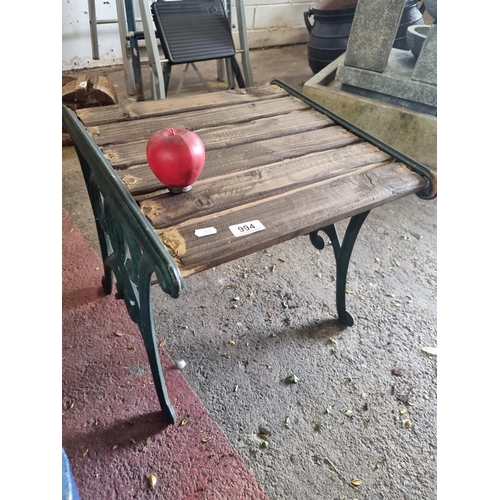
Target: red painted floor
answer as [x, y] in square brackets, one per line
[112, 429]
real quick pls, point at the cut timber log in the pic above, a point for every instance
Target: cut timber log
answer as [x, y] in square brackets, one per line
[83, 93]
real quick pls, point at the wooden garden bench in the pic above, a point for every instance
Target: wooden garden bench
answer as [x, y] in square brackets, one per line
[277, 166]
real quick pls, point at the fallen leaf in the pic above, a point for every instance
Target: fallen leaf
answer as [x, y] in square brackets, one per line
[205, 439]
[356, 481]
[184, 420]
[162, 342]
[118, 334]
[114, 447]
[148, 441]
[431, 351]
[293, 378]
[132, 440]
[86, 452]
[232, 342]
[152, 479]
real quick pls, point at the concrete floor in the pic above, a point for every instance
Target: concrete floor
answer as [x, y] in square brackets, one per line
[366, 400]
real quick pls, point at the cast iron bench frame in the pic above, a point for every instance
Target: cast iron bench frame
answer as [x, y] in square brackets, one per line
[133, 252]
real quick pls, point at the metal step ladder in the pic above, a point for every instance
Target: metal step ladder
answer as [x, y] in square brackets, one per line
[130, 37]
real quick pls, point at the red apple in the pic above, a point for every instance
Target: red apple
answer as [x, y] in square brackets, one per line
[176, 157]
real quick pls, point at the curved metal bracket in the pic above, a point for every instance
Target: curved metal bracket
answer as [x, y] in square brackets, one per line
[342, 254]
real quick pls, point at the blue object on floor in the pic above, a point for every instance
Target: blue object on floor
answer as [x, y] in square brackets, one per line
[69, 491]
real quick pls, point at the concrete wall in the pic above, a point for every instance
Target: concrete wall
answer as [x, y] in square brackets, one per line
[269, 23]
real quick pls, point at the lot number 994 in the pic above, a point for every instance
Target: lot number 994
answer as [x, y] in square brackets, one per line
[246, 228]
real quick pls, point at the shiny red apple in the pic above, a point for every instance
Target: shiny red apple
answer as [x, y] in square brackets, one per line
[176, 157]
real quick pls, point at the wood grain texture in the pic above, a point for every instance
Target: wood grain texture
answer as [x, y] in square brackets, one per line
[224, 192]
[137, 130]
[242, 156]
[291, 214]
[223, 137]
[147, 109]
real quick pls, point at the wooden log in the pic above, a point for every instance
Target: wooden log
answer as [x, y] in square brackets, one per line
[103, 91]
[82, 92]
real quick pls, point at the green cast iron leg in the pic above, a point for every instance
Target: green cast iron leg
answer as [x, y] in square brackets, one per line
[146, 327]
[342, 254]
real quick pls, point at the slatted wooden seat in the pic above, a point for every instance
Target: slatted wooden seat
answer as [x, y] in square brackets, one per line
[273, 159]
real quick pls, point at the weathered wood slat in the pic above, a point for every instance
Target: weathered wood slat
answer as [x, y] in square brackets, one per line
[136, 130]
[288, 215]
[134, 153]
[227, 191]
[147, 109]
[140, 180]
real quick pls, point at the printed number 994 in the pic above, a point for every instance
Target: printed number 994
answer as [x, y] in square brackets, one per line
[244, 228]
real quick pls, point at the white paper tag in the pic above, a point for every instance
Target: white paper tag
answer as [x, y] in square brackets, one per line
[246, 228]
[205, 231]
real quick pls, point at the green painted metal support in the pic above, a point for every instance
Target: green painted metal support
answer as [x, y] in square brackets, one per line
[342, 254]
[131, 250]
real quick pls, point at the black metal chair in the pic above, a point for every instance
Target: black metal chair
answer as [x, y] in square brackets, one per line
[194, 30]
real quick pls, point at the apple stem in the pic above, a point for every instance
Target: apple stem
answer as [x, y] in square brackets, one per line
[172, 131]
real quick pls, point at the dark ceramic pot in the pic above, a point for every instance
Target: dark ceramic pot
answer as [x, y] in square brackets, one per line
[411, 15]
[328, 36]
